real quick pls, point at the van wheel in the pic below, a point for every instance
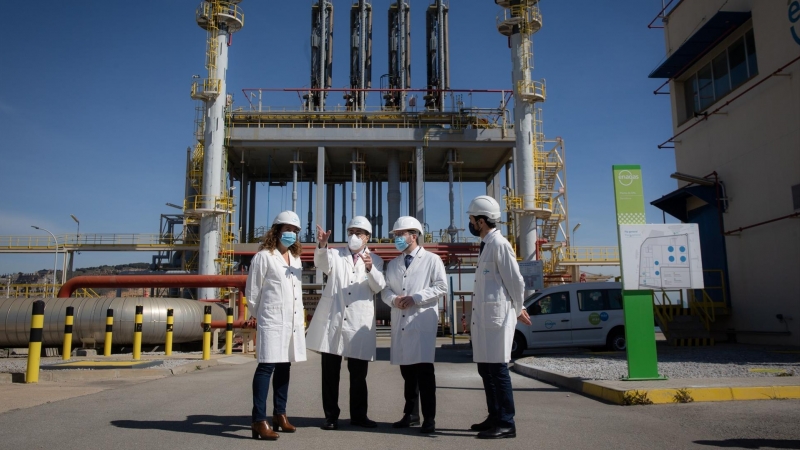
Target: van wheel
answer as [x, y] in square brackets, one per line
[518, 346]
[616, 340]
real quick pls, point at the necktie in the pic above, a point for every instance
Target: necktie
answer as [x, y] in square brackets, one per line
[408, 260]
[483, 244]
[355, 258]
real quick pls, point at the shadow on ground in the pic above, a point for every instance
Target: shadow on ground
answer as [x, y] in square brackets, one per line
[753, 443]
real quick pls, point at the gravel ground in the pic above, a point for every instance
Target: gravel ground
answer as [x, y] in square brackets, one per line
[19, 364]
[678, 362]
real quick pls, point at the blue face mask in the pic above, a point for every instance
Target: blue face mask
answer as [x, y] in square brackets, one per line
[288, 238]
[400, 243]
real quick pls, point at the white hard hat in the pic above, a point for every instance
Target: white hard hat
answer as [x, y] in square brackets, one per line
[360, 222]
[287, 217]
[407, 223]
[483, 205]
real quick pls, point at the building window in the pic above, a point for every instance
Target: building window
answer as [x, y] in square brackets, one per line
[727, 70]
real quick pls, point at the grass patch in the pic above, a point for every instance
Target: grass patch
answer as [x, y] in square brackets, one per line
[682, 396]
[636, 398]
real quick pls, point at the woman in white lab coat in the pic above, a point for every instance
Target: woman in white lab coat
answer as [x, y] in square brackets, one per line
[274, 294]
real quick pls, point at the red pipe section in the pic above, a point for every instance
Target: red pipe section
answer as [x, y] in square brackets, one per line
[163, 281]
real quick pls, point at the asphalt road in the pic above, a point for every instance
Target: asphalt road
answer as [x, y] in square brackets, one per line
[210, 409]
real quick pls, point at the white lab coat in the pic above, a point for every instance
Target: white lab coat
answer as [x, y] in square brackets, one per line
[344, 321]
[498, 295]
[414, 328]
[274, 294]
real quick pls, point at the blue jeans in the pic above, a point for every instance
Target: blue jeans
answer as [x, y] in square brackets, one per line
[280, 383]
[499, 395]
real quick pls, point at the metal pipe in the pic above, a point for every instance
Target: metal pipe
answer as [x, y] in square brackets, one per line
[740, 229]
[294, 180]
[353, 195]
[379, 202]
[451, 230]
[393, 194]
[344, 211]
[440, 52]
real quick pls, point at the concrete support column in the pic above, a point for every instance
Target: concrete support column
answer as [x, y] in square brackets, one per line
[380, 208]
[243, 206]
[452, 231]
[294, 180]
[251, 214]
[353, 193]
[330, 199]
[320, 200]
[393, 189]
[344, 211]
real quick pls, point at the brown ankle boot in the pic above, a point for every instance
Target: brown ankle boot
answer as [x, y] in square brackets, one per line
[261, 430]
[280, 422]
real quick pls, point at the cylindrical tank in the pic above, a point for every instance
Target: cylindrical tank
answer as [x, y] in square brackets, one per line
[90, 320]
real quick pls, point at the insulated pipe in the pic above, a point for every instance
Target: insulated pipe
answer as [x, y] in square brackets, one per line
[353, 195]
[419, 189]
[310, 235]
[367, 202]
[380, 207]
[440, 51]
[451, 230]
[402, 46]
[393, 193]
[294, 180]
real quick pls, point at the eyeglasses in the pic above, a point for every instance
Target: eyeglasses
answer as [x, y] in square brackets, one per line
[359, 233]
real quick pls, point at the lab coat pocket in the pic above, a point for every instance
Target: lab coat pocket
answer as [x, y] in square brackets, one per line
[273, 316]
[494, 314]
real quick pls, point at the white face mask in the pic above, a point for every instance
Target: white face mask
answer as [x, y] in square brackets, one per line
[355, 243]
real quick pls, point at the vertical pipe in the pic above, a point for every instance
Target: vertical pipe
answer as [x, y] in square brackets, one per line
[330, 219]
[353, 195]
[244, 206]
[380, 208]
[294, 180]
[170, 328]
[35, 342]
[393, 189]
[109, 332]
[309, 230]
[66, 350]
[206, 333]
[137, 333]
[251, 215]
[229, 333]
[344, 211]
[369, 214]
[362, 56]
[440, 50]
[402, 48]
[451, 230]
[420, 185]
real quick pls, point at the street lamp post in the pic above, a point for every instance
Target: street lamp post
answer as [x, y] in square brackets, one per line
[55, 260]
[572, 238]
[574, 250]
[78, 235]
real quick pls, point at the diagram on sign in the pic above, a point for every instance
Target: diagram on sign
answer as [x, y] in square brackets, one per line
[661, 256]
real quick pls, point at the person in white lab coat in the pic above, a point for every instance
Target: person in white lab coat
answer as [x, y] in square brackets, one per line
[274, 294]
[496, 306]
[344, 321]
[414, 282]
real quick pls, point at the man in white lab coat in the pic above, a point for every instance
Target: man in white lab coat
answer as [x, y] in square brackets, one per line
[344, 321]
[496, 306]
[414, 282]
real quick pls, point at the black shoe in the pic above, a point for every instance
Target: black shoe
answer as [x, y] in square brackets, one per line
[428, 427]
[363, 423]
[487, 424]
[330, 424]
[498, 433]
[407, 421]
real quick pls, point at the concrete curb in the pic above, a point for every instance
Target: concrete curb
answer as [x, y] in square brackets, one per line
[616, 396]
[108, 374]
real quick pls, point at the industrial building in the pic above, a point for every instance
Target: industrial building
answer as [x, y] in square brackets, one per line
[731, 69]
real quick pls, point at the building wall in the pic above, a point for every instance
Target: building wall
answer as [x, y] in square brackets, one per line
[754, 146]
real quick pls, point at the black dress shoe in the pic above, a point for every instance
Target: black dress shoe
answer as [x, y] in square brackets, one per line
[363, 423]
[483, 426]
[428, 427]
[330, 424]
[498, 433]
[407, 421]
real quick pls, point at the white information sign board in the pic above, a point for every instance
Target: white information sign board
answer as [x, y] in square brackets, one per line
[661, 256]
[533, 274]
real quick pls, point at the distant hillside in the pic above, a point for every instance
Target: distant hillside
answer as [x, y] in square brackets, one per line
[111, 270]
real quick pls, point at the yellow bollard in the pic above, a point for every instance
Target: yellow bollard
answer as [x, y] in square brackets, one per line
[170, 326]
[207, 333]
[109, 327]
[35, 342]
[137, 333]
[229, 333]
[67, 349]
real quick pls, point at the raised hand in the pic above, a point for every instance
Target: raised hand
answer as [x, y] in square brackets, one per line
[367, 258]
[322, 237]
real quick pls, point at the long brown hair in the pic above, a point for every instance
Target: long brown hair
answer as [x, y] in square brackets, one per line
[270, 241]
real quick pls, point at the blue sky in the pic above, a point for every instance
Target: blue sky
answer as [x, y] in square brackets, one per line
[95, 113]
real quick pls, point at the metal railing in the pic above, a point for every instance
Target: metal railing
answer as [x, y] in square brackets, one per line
[591, 254]
[208, 202]
[530, 89]
[76, 242]
[664, 307]
[704, 306]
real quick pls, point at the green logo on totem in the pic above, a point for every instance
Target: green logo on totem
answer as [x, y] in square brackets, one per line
[594, 318]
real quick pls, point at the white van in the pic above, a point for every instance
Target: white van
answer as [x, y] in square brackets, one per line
[576, 314]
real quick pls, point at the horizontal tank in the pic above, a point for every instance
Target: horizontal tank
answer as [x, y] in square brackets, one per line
[89, 324]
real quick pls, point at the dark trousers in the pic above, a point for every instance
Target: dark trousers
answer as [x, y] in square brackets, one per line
[280, 384]
[331, 367]
[420, 382]
[499, 395]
